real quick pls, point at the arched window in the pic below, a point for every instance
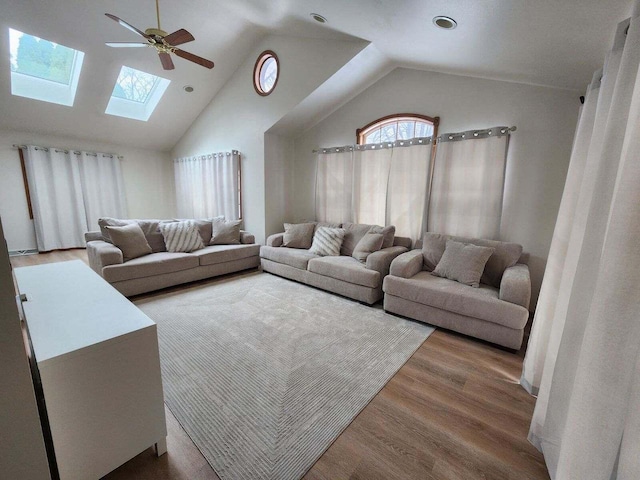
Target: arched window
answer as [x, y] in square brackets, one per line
[400, 126]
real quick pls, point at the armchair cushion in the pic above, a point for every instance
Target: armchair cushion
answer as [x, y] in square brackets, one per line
[463, 263]
[515, 286]
[407, 265]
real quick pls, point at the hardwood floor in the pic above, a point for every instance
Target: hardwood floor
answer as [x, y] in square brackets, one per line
[455, 410]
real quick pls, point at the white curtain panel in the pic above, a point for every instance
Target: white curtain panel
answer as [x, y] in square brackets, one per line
[467, 187]
[587, 416]
[55, 188]
[334, 185]
[208, 185]
[408, 188]
[102, 187]
[371, 168]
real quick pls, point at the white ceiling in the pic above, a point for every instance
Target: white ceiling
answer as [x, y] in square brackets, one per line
[546, 42]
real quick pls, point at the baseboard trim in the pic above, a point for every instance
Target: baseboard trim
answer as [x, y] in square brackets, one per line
[17, 253]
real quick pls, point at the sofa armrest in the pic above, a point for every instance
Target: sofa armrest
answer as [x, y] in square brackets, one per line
[91, 236]
[515, 286]
[402, 242]
[407, 265]
[380, 261]
[246, 238]
[275, 240]
[101, 254]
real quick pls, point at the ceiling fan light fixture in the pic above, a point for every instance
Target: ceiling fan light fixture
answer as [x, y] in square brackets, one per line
[318, 18]
[446, 23]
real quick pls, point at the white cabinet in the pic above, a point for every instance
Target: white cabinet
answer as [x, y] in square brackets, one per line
[97, 356]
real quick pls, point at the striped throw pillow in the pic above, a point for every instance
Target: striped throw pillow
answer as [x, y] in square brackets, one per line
[181, 236]
[327, 241]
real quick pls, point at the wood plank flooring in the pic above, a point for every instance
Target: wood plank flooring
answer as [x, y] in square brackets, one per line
[454, 411]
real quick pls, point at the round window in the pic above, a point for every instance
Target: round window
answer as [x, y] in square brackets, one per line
[265, 73]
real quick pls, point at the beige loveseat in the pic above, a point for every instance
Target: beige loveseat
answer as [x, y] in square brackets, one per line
[162, 269]
[342, 274]
[497, 311]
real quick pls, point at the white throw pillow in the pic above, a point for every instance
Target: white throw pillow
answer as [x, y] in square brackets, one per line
[181, 236]
[327, 241]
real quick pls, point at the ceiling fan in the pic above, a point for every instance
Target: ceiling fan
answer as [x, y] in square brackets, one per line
[164, 43]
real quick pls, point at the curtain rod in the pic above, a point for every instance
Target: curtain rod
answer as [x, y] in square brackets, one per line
[208, 155]
[496, 131]
[46, 149]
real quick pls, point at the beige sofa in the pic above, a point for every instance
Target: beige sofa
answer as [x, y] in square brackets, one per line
[342, 274]
[497, 311]
[162, 269]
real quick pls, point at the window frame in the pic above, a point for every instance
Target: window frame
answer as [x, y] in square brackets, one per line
[257, 68]
[396, 117]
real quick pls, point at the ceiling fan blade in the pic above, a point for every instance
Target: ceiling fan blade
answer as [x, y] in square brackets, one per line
[126, 44]
[178, 37]
[166, 61]
[126, 25]
[194, 58]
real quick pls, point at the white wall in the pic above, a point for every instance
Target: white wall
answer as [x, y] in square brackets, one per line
[538, 154]
[23, 452]
[148, 179]
[238, 117]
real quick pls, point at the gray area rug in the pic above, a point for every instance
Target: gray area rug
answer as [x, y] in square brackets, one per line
[264, 373]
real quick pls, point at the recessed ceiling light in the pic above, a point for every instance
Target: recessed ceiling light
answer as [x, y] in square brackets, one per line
[447, 23]
[188, 88]
[318, 18]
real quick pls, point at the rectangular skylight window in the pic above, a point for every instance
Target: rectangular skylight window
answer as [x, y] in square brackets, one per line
[43, 70]
[136, 94]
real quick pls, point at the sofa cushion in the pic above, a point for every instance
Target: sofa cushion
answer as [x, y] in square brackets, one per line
[181, 236]
[149, 228]
[482, 303]
[294, 257]
[327, 241]
[353, 233]
[371, 242]
[463, 262]
[225, 253]
[130, 239]
[344, 268]
[389, 233]
[505, 255]
[149, 266]
[298, 235]
[225, 232]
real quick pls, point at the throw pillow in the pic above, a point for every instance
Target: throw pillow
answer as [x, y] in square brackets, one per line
[463, 262]
[353, 233]
[433, 245]
[388, 232]
[225, 232]
[130, 239]
[371, 242]
[181, 236]
[149, 228]
[298, 235]
[204, 226]
[327, 241]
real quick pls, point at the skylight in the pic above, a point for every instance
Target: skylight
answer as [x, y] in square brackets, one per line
[43, 70]
[136, 94]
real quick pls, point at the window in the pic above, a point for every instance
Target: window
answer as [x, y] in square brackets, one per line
[266, 72]
[136, 94]
[43, 70]
[400, 126]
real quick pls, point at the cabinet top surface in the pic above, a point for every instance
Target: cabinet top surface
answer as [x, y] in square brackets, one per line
[70, 307]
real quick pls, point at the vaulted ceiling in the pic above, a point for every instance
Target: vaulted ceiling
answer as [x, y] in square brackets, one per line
[542, 42]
